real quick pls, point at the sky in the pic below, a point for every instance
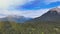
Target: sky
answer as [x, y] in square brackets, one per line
[27, 8]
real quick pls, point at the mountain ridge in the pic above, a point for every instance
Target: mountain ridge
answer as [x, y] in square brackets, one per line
[53, 15]
[15, 18]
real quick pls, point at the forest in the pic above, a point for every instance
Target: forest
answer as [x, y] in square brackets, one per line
[36, 27]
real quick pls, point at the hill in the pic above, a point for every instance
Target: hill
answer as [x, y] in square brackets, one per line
[53, 15]
[48, 23]
[18, 19]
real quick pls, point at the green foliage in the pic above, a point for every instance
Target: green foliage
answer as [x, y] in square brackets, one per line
[36, 27]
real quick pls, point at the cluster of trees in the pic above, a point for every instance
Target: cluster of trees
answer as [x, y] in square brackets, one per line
[37, 27]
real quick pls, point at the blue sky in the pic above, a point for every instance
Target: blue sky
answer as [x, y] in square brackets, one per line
[27, 8]
[39, 4]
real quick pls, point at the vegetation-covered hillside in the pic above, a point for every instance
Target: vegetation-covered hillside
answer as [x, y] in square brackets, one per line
[36, 27]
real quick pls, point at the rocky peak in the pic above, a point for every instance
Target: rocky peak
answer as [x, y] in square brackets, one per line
[55, 10]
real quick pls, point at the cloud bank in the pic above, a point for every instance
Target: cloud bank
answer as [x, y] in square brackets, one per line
[28, 13]
[8, 7]
[8, 3]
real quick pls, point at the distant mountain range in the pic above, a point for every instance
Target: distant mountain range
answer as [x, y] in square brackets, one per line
[53, 15]
[15, 18]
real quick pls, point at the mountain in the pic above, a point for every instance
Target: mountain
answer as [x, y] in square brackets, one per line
[45, 24]
[48, 23]
[15, 18]
[53, 15]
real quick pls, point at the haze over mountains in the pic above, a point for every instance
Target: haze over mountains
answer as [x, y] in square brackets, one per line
[15, 18]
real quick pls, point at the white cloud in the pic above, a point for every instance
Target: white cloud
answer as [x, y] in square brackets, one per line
[28, 13]
[7, 4]
[35, 13]
[50, 1]
[4, 4]
[58, 6]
